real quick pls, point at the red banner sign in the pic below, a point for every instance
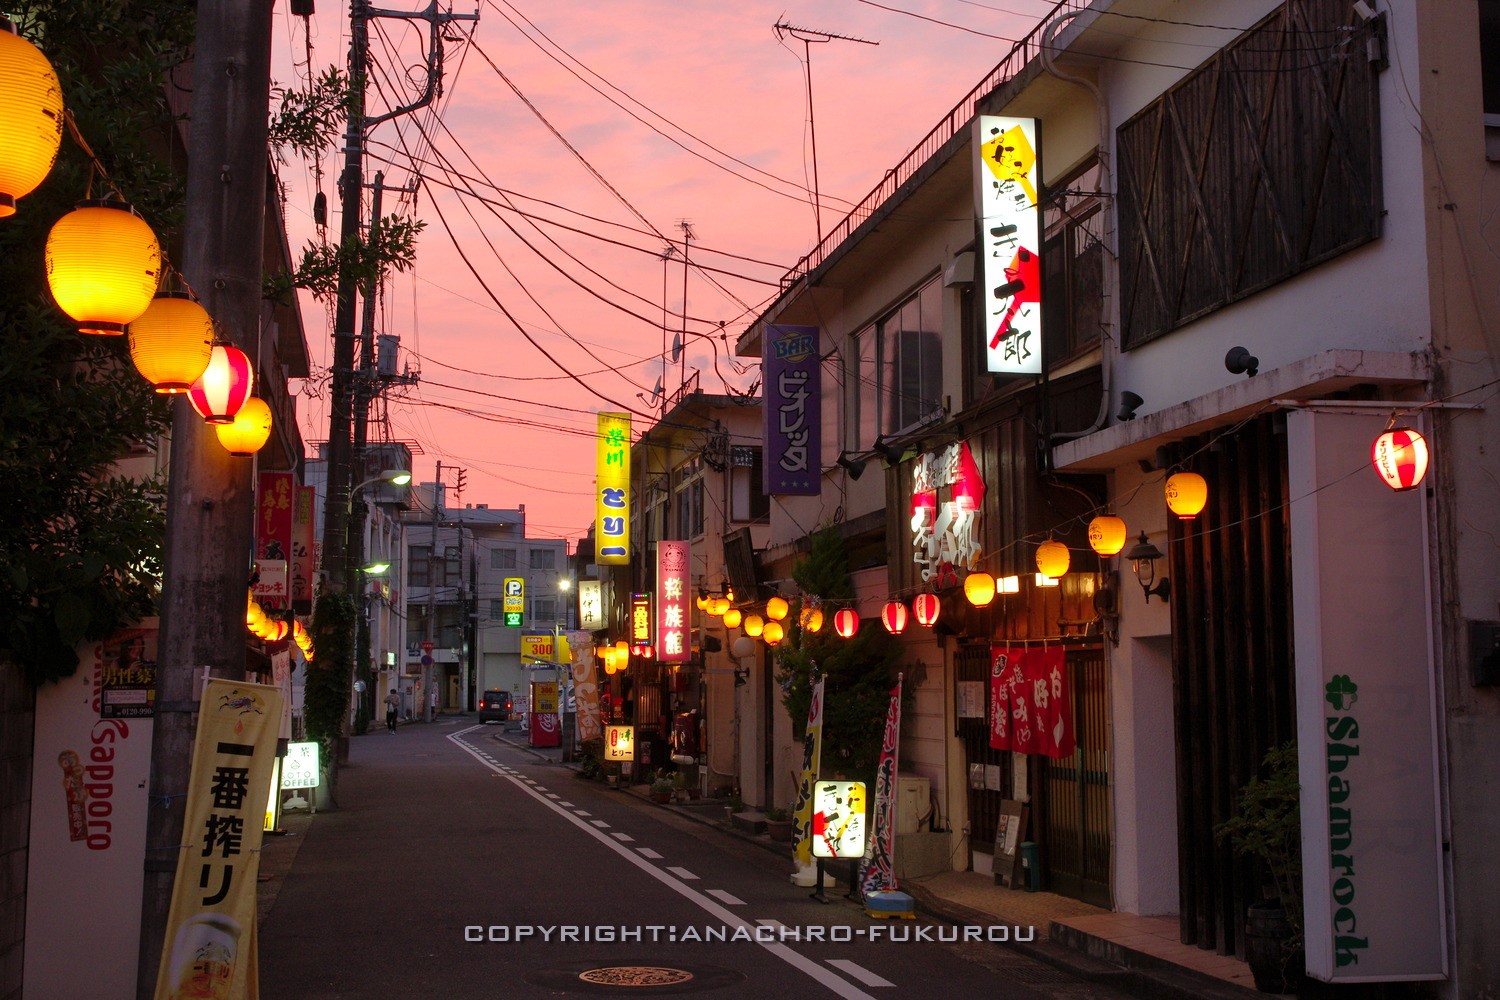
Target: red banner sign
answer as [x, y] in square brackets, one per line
[1031, 708]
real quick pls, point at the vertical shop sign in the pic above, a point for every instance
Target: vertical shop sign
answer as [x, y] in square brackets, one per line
[1007, 179]
[793, 409]
[273, 536]
[672, 602]
[612, 479]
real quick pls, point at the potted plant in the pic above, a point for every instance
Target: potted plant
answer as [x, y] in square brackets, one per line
[661, 788]
[679, 786]
[779, 824]
[733, 803]
[1268, 825]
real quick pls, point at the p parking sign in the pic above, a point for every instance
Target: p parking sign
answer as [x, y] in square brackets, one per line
[513, 604]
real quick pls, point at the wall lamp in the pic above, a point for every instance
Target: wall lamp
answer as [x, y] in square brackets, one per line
[1143, 558]
[854, 466]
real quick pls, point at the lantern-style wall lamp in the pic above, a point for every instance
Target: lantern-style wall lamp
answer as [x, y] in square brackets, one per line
[1400, 458]
[1043, 580]
[103, 263]
[1008, 585]
[1143, 556]
[32, 126]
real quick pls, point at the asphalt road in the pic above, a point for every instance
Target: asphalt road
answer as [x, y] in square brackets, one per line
[459, 866]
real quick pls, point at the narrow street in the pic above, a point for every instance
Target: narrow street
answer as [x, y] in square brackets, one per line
[458, 865]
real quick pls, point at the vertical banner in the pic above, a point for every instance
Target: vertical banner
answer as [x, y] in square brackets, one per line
[273, 529]
[793, 386]
[672, 602]
[812, 761]
[612, 479]
[585, 673]
[1031, 704]
[1007, 180]
[302, 549]
[209, 950]
[1374, 904]
[879, 869]
[590, 605]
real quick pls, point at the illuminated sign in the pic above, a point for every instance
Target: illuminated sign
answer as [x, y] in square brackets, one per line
[1007, 178]
[612, 481]
[553, 649]
[590, 605]
[619, 743]
[838, 821]
[640, 619]
[793, 380]
[945, 534]
[513, 604]
[299, 768]
[672, 616]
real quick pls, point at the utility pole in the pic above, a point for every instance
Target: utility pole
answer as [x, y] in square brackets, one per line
[210, 508]
[687, 234]
[432, 571]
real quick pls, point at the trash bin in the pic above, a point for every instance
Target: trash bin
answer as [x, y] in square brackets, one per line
[1031, 868]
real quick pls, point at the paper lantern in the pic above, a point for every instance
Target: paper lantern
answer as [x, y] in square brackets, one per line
[172, 342]
[893, 616]
[1052, 558]
[846, 622]
[720, 607]
[249, 431]
[102, 265]
[777, 608]
[743, 646]
[702, 602]
[254, 613]
[224, 386]
[1400, 458]
[1107, 534]
[1187, 493]
[732, 618]
[754, 626]
[774, 633]
[812, 619]
[925, 608]
[31, 127]
[979, 589]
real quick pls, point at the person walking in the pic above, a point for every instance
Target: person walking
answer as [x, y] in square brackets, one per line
[392, 706]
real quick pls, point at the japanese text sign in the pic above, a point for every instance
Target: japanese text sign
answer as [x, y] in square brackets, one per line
[793, 410]
[612, 480]
[1007, 179]
[672, 621]
[838, 820]
[590, 605]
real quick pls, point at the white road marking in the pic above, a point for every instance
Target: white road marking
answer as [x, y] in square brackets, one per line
[855, 971]
[728, 899]
[623, 838]
[683, 874]
[647, 852]
[566, 805]
[839, 987]
[553, 795]
[580, 812]
[600, 824]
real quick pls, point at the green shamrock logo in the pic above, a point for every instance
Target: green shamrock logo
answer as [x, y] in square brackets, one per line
[1340, 692]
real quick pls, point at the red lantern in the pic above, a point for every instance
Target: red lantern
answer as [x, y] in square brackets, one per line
[224, 386]
[925, 608]
[894, 617]
[846, 622]
[1400, 458]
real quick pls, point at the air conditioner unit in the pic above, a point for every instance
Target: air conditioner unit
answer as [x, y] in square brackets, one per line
[913, 802]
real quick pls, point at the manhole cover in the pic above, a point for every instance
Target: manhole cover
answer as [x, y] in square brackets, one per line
[636, 975]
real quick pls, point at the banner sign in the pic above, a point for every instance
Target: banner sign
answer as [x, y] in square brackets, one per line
[302, 568]
[553, 649]
[1031, 709]
[273, 528]
[945, 532]
[612, 479]
[793, 386]
[585, 674]
[640, 619]
[812, 761]
[838, 820]
[672, 619]
[879, 870]
[209, 949]
[1374, 904]
[590, 605]
[1007, 180]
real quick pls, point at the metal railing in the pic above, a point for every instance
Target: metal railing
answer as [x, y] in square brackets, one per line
[1020, 54]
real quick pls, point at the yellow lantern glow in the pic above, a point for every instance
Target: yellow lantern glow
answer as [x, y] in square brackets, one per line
[979, 589]
[1107, 534]
[1052, 558]
[250, 431]
[754, 626]
[102, 265]
[812, 619]
[777, 608]
[32, 126]
[171, 342]
[1008, 585]
[773, 633]
[1187, 493]
[721, 606]
[702, 602]
[254, 613]
[1043, 580]
[732, 618]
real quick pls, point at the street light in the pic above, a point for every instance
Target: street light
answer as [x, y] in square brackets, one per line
[376, 568]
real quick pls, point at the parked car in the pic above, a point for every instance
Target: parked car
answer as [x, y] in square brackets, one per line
[496, 706]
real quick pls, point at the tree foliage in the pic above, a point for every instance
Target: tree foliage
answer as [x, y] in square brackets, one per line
[80, 543]
[326, 696]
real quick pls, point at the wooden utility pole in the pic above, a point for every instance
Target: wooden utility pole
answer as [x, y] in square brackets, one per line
[210, 508]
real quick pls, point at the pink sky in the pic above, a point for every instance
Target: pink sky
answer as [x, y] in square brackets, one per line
[716, 71]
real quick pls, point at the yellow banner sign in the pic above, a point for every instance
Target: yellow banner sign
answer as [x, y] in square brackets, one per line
[553, 649]
[612, 474]
[209, 949]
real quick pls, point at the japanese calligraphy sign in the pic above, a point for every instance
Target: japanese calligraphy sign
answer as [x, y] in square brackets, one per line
[586, 689]
[303, 567]
[947, 498]
[273, 526]
[619, 743]
[672, 619]
[812, 762]
[878, 872]
[612, 480]
[640, 619]
[209, 945]
[1007, 178]
[793, 410]
[1031, 707]
[838, 819]
[590, 605]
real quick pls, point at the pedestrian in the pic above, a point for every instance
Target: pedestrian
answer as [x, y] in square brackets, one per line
[392, 706]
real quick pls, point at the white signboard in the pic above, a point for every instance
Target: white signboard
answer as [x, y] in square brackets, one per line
[1007, 183]
[1372, 851]
[838, 822]
[590, 605]
[300, 767]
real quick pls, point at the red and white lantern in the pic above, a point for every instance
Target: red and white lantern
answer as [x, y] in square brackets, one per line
[925, 608]
[1400, 458]
[893, 617]
[846, 622]
[224, 386]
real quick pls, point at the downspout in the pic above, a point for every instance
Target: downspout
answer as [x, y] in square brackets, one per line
[1110, 250]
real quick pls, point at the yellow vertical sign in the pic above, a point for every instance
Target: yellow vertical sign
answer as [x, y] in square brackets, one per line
[612, 511]
[209, 949]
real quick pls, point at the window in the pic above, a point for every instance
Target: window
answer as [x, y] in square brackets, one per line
[544, 609]
[894, 377]
[1072, 266]
[688, 497]
[502, 558]
[418, 565]
[543, 558]
[747, 495]
[497, 609]
[453, 566]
